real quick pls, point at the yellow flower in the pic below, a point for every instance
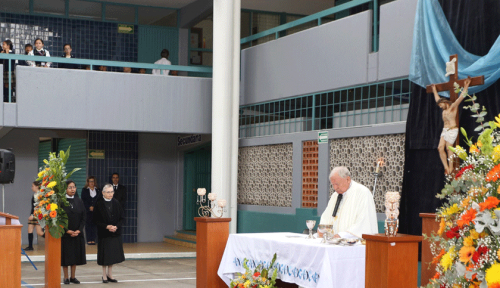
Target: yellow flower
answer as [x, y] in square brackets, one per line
[47, 169]
[496, 153]
[40, 174]
[468, 241]
[53, 207]
[457, 286]
[247, 284]
[451, 210]
[473, 149]
[493, 274]
[45, 161]
[474, 234]
[52, 184]
[459, 151]
[498, 253]
[479, 143]
[447, 259]
[497, 118]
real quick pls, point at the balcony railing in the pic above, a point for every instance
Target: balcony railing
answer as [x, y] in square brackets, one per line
[91, 64]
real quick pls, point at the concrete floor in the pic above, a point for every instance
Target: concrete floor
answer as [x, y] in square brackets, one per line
[180, 273]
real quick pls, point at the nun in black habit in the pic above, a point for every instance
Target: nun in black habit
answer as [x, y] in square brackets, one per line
[73, 242]
[108, 216]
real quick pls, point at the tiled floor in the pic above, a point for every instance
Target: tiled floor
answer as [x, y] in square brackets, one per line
[160, 247]
[180, 273]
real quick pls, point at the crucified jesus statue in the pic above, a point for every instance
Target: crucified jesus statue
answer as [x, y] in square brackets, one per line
[450, 127]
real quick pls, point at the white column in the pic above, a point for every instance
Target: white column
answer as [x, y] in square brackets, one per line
[224, 98]
[236, 115]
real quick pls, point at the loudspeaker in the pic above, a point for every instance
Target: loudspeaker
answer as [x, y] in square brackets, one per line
[7, 166]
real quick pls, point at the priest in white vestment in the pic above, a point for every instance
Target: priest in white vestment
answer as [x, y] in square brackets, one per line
[355, 213]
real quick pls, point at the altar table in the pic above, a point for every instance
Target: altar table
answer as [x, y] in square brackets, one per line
[305, 262]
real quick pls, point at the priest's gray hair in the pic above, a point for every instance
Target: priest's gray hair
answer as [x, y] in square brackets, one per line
[342, 171]
[107, 186]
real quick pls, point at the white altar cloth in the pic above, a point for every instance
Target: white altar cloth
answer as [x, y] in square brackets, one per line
[305, 262]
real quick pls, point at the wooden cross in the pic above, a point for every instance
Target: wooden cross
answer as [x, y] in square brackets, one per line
[448, 86]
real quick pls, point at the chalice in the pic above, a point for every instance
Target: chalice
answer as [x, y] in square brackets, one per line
[326, 229]
[310, 224]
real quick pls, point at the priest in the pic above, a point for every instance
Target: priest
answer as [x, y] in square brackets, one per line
[351, 208]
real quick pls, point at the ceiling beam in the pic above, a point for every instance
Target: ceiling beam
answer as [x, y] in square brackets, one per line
[195, 12]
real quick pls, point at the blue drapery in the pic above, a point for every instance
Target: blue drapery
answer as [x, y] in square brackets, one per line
[434, 42]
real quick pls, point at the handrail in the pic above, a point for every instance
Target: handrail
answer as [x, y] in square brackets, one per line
[104, 63]
[312, 17]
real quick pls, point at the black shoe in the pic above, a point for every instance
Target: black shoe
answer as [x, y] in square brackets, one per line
[104, 281]
[74, 280]
[66, 281]
[28, 248]
[112, 280]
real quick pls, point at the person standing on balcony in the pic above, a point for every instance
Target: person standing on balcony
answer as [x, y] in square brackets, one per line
[27, 48]
[7, 48]
[39, 51]
[163, 61]
[67, 54]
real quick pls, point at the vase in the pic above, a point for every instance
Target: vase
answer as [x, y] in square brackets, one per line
[52, 261]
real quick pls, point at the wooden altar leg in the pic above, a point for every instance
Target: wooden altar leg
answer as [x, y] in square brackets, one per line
[10, 255]
[211, 239]
[52, 261]
[429, 225]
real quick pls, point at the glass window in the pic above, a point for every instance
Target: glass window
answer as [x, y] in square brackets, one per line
[15, 6]
[120, 13]
[84, 9]
[49, 7]
[157, 16]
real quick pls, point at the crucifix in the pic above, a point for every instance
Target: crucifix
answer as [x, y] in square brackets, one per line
[449, 136]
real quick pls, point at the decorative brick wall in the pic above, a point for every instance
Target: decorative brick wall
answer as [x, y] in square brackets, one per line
[359, 154]
[310, 174]
[265, 175]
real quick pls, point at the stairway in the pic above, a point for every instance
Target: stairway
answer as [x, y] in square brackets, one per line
[182, 238]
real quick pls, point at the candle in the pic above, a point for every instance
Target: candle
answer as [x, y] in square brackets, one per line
[378, 167]
[201, 191]
[212, 196]
[221, 203]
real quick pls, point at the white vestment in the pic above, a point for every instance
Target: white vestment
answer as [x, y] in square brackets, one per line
[162, 61]
[356, 214]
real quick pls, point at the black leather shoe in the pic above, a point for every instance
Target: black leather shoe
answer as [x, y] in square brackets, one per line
[74, 280]
[112, 280]
[104, 281]
[28, 249]
[66, 281]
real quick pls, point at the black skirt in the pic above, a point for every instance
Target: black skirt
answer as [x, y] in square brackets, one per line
[110, 251]
[73, 251]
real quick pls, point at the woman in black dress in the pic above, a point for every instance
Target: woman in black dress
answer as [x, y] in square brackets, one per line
[72, 242]
[108, 216]
[90, 194]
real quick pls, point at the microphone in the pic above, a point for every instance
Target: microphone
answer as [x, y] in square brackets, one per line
[337, 204]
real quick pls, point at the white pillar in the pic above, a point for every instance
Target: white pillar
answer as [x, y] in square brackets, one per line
[236, 115]
[224, 98]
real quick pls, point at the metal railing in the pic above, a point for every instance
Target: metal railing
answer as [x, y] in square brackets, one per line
[91, 63]
[369, 104]
[317, 17]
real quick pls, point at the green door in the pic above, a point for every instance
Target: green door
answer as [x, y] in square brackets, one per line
[197, 168]
[77, 159]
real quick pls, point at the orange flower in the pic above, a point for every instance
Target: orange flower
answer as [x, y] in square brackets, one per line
[436, 259]
[494, 285]
[44, 178]
[48, 207]
[494, 174]
[466, 253]
[442, 225]
[50, 193]
[50, 178]
[465, 202]
[490, 202]
[467, 217]
[436, 276]
[53, 214]
[41, 190]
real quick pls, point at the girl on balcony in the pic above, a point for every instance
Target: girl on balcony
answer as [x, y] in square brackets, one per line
[39, 51]
[67, 54]
[7, 48]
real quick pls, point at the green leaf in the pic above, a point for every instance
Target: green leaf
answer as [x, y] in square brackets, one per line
[71, 173]
[478, 128]
[482, 114]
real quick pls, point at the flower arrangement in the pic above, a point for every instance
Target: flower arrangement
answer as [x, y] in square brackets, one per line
[258, 278]
[52, 194]
[467, 244]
